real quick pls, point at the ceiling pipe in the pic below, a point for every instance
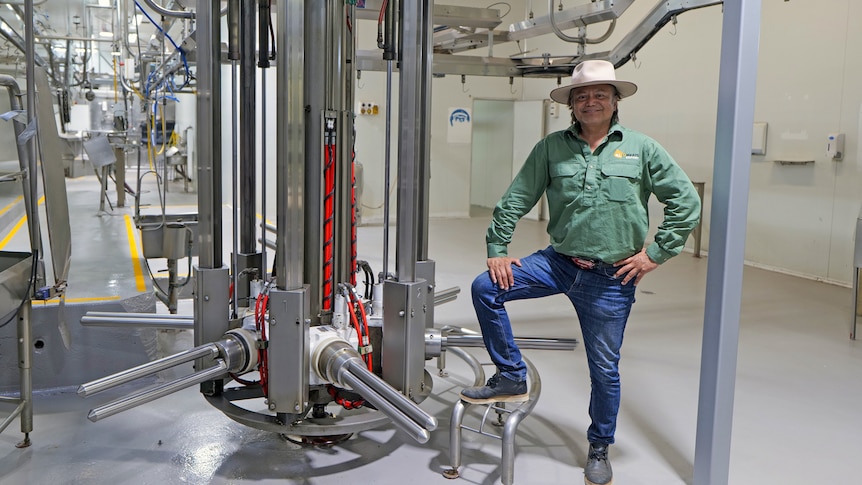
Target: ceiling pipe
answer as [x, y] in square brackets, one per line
[184, 14]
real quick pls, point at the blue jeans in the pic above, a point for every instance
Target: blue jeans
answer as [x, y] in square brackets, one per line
[603, 305]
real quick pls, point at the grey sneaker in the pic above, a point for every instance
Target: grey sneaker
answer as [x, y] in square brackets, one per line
[498, 389]
[598, 469]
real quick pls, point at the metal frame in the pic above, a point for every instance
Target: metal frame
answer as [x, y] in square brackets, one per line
[510, 425]
[736, 92]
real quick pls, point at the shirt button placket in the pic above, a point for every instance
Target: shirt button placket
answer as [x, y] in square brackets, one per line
[591, 179]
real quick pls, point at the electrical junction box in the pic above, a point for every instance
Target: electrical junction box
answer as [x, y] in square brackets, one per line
[835, 146]
[758, 138]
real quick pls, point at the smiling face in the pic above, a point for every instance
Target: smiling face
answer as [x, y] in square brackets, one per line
[594, 106]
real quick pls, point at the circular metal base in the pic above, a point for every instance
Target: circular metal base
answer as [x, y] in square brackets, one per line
[317, 441]
[451, 473]
[338, 422]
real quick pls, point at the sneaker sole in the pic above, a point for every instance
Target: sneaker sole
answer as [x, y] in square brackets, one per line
[490, 400]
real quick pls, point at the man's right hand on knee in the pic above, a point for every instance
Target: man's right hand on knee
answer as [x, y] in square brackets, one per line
[500, 270]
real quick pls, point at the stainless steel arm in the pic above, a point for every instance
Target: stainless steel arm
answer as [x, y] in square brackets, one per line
[445, 296]
[437, 341]
[148, 395]
[149, 320]
[522, 342]
[339, 363]
[234, 353]
[122, 377]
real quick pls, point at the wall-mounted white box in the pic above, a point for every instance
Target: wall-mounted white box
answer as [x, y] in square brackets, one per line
[758, 138]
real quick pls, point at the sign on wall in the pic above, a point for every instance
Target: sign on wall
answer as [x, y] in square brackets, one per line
[460, 124]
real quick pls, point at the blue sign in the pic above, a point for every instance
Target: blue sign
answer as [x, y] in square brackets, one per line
[459, 116]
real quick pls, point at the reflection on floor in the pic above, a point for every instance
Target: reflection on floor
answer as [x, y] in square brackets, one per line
[797, 413]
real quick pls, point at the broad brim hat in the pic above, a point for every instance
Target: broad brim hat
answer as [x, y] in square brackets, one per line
[590, 73]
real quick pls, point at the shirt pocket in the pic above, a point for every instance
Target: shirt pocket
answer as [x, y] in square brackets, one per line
[562, 176]
[621, 180]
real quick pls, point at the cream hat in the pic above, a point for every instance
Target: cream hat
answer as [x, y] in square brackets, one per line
[589, 73]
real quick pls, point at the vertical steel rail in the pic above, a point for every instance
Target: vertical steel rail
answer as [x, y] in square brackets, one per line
[290, 160]
[315, 99]
[736, 92]
[263, 15]
[209, 134]
[32, 173]
[387, 157]
[410, 126]
[424, 148]
[233, 54]
[25, 358]
[248, 122]
[346, 72]
[390, 54]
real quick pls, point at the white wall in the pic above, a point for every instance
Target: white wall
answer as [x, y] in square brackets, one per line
[801, 218]
[450, 162]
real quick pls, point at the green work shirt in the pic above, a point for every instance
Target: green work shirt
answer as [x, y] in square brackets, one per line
[598, 200]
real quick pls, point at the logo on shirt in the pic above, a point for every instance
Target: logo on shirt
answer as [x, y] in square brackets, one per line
[628, 156]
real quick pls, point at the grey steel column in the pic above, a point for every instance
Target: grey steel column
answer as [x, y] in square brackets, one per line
[424, 149]
[209, 134]
[740, 40]
[248, 128]
[290, 159]
[315, 99]
[343, 61]
[211, 276]
[25, 358]
[410, 130]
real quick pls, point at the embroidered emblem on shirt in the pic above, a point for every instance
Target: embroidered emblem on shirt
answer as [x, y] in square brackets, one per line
[628, 156]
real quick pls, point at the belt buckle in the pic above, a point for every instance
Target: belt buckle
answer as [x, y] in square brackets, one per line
[584, 263]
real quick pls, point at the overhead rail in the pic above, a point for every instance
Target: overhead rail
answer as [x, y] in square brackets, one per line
[570, 18]
[448, 42]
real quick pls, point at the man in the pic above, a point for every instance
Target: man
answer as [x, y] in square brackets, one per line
[598, 177]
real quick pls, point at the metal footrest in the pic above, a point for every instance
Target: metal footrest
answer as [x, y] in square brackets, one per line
[513, 418]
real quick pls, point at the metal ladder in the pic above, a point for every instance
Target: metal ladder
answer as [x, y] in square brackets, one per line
[510, 427]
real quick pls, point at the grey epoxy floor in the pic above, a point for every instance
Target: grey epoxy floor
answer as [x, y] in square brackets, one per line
[798, 402]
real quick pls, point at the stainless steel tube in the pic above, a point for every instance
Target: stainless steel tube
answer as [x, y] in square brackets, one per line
[6, 422]
[387, 164]
[417, 414]
[25, 358]
[522, 342]
[99, 385]
[339, 363]
[148, 395]
[445, 296]
[400, 419]
[142, 316]
[91, 319]
[475, 365]
[187, 14]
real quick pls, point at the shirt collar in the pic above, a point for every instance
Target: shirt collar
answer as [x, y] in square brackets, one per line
[616, 128]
